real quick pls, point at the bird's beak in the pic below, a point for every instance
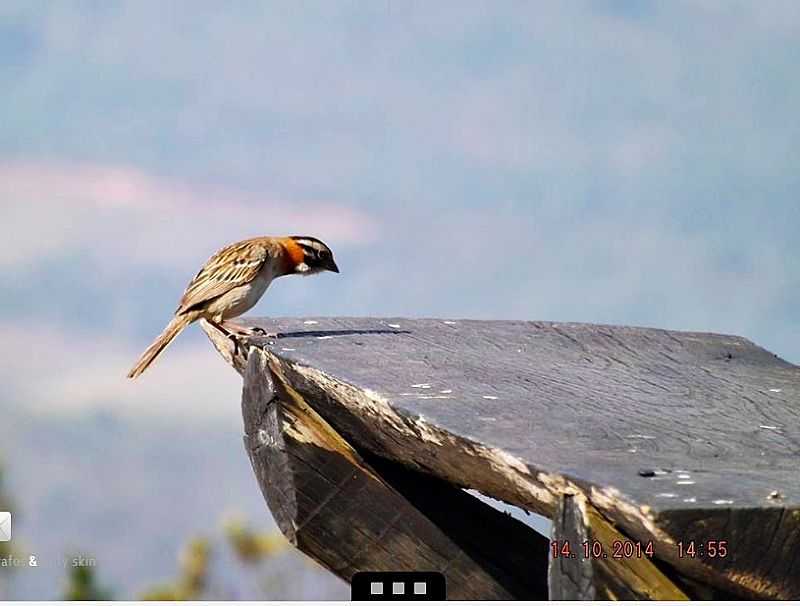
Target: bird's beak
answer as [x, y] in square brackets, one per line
[332, 267]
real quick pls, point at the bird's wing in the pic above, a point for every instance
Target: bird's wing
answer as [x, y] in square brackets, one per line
[235, 265]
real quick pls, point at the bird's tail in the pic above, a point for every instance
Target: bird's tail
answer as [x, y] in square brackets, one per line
[176, 325]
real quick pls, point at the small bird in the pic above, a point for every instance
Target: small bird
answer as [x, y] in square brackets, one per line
[233, 280]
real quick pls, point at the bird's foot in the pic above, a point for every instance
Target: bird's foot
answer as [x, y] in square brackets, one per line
[250, 331]
[226, 330]
[260, 332]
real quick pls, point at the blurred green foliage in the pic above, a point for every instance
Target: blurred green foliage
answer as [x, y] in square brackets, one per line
[194, 563]
[193, 572]
[250, 546]
[82, 585]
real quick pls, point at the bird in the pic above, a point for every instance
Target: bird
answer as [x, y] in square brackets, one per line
[234, 279]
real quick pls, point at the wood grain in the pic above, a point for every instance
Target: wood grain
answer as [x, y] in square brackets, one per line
[673, 436]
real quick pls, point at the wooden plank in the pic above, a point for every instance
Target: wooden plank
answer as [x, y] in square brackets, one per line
[340, 510]
[673, 436]
[590, 559]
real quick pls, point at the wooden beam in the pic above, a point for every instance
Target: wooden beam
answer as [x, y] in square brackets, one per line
[337, 508]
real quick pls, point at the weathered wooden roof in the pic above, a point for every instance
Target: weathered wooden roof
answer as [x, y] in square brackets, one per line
[674, 436]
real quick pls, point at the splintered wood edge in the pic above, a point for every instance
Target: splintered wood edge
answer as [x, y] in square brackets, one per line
[303, 426]
[312, 428]
[491, 471]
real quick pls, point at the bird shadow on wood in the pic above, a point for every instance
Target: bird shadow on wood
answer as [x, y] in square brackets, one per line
[338, 333]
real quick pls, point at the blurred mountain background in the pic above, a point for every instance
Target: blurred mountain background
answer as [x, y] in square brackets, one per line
[612, 161]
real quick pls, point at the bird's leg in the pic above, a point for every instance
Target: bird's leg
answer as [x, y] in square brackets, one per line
[220, 326]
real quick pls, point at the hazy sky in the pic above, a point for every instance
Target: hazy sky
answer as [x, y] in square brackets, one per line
[608, 161]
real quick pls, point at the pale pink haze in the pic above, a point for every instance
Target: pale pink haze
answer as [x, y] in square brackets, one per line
[120, 215]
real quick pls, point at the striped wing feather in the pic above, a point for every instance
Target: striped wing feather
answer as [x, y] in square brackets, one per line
[232, 266]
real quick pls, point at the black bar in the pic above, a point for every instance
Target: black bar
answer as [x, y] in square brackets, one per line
[398, 586]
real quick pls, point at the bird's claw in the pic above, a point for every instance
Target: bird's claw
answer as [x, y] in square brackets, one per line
[252, 331]
[260, 332]
[236, 332]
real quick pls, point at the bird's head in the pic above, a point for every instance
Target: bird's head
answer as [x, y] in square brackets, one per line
[309, 256]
